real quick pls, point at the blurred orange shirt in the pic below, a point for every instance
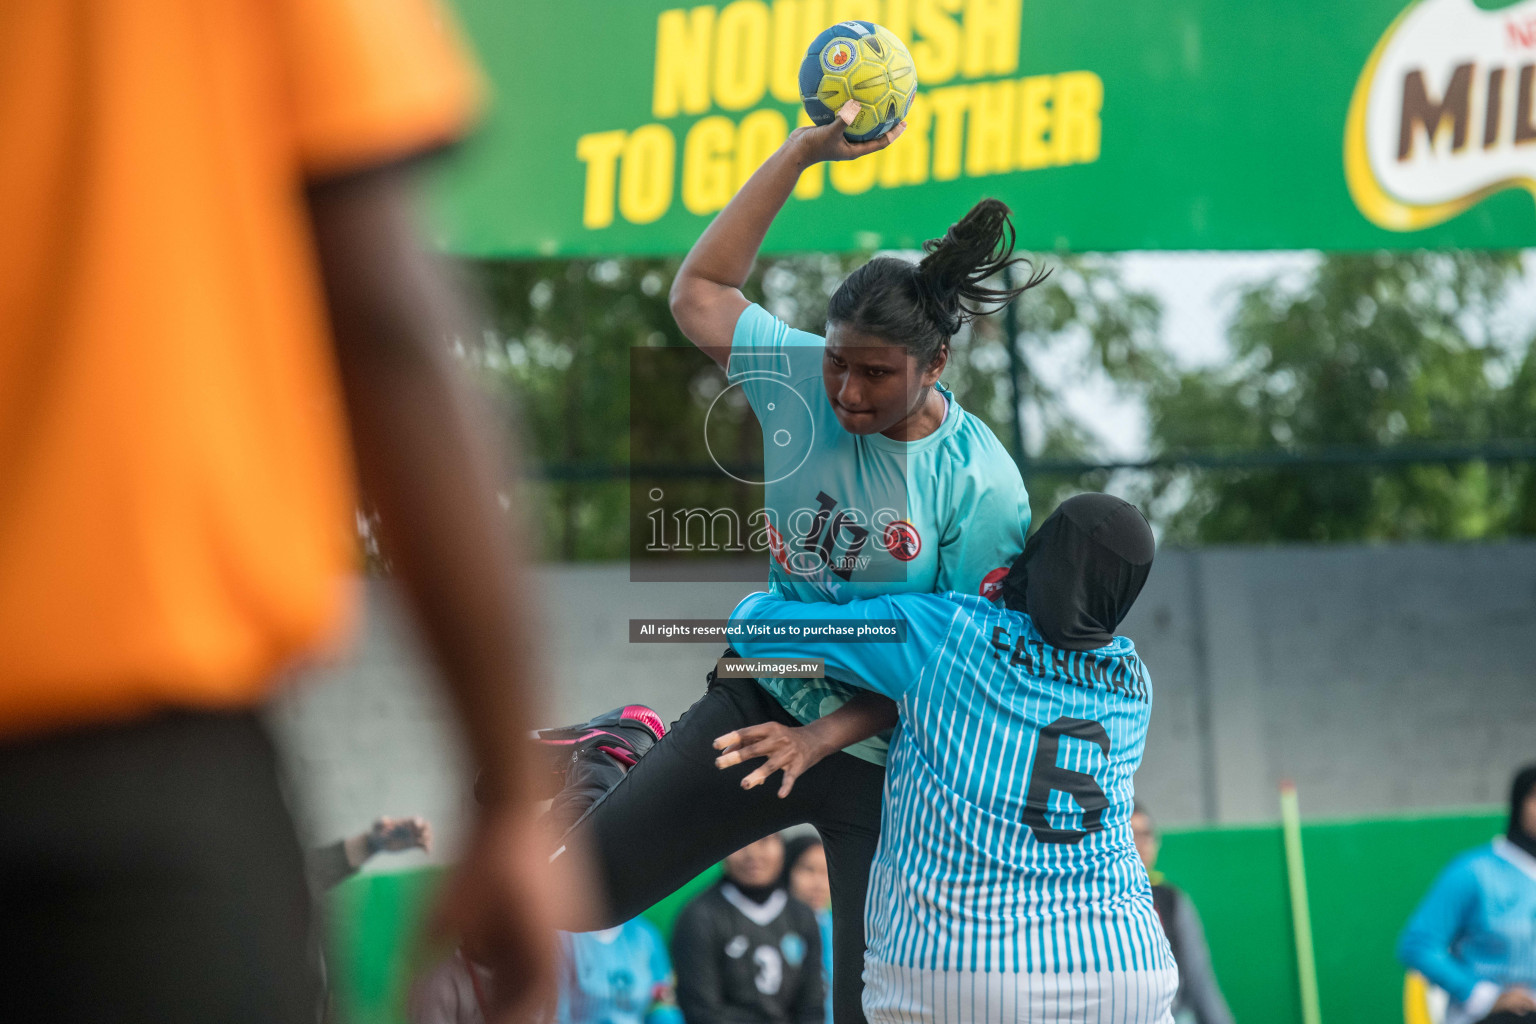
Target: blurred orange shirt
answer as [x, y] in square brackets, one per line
[176, 510]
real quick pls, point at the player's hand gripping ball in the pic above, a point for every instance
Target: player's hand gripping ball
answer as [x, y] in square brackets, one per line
[862, 61]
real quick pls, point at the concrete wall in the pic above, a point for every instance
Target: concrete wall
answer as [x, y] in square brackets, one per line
[1377, 678]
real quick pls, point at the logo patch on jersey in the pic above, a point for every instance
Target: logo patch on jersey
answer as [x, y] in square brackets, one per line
[736, 947]
[992, 583]
[902, 540]
[793, 948]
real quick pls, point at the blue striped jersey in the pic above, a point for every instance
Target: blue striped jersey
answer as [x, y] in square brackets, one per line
[1006, 844]
[857, 515]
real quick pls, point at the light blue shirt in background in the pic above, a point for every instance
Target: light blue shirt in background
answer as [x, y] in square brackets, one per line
[619, 976]
[1474, 934]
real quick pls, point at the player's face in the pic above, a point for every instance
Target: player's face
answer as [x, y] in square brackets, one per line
[1147, 843]
[808, 879]
[872, 384]
[757, 864]
[1528, 814]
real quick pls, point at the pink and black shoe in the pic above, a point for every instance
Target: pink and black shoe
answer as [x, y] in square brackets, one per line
[623, 734]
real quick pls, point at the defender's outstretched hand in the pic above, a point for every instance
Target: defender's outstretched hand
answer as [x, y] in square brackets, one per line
[792, 751]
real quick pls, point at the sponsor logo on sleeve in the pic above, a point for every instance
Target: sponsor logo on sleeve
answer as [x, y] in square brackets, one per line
[992, 583]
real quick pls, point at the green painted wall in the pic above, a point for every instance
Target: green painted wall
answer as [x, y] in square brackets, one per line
[1364, 879]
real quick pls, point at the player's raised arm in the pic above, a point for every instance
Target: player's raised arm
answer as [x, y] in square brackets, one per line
[866, 661]
[706, 296]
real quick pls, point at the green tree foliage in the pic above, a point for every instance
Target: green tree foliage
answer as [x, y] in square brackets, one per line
[1375, 351]
[588, 353]
[1368, 352]
[602, 379]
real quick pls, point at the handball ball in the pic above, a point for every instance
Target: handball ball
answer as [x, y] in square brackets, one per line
[862, 61]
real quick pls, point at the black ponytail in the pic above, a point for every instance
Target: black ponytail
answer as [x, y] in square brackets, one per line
[920, 306]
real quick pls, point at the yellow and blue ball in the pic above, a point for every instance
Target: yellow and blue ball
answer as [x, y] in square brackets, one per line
[862, 61]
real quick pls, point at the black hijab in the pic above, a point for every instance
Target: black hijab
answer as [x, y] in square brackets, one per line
[1081, 571]
[1525, 781]
[794, 849]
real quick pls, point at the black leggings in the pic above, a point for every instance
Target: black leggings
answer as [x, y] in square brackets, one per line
[149, 872]
[675, 814]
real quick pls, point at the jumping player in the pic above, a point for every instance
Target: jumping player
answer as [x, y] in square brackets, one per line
[896, 489]
[1007, 886]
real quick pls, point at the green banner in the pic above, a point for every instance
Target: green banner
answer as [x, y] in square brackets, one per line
[1166, 124]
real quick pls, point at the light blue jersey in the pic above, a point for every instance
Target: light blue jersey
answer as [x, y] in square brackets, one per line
[1006, 885]
[854, 516]
[619, 976]
[1475, 932]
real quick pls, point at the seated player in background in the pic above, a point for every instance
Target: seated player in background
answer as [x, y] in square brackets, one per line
[1474, 934]
[805, 876]
[1006, 885]
[745, 951]
[1199, 999]
[617, 976]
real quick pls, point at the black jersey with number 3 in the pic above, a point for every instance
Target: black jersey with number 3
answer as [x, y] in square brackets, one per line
[740, 962]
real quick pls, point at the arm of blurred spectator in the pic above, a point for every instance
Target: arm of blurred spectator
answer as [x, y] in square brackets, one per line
[1426, 942]
[426, 463]
[1517, 999]
[1197, 981]
[329, 866]
[811, 1000]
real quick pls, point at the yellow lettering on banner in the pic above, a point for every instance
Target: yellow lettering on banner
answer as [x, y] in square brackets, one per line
[854, 10]
[935, 42]
[708, 167]
[760, 134]
[989, 140]
[600, 152]
[991, 37]
[813, 179]
[898, 18]
[851, 177]
[645, 177]
[740, 56]
[795, 24]
[1035, 121]
[1079, 127]
[905, 161]
[684, 42]
[949, 106]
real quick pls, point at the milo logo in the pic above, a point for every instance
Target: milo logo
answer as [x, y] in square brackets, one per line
[1444, 113]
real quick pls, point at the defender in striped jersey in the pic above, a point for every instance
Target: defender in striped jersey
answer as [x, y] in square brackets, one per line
[1006, 886]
